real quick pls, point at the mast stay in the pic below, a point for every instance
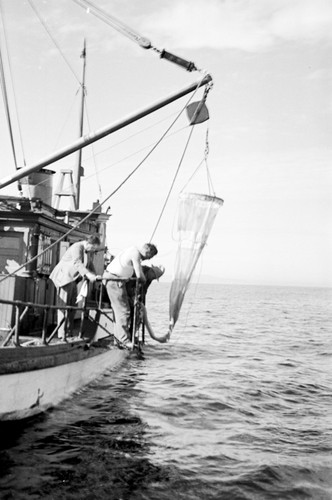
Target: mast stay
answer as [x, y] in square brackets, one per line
[196, 211]
[87, 139]
[125, 30]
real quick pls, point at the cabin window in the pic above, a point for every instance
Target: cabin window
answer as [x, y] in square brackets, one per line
[12, 248]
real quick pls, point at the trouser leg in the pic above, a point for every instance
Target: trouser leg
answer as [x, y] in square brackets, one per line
[117, 294]
[66, 297]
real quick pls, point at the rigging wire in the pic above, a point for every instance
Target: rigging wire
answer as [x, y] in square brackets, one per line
[132, 154]
[42, 21]
[86, 178]
[4, 89]
[98, 205]
[66, 119]
[172, 184]
[155, 143]
[48, 31]
[206, 152]
[125, 30]
[141, 131]
[93, 152]
[204, 160]
[97, 172]
[6, 100]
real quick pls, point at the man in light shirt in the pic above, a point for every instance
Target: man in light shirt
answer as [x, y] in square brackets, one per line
[124, 266]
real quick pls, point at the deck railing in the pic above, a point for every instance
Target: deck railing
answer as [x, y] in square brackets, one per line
[22, 308]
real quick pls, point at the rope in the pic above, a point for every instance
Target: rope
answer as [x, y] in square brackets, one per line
[141, 131]
[204, 160]
[5, 98]
[164, 338]
[206, 154]
[206, 91]
[125, 30]
[66, 119]
[172, 185]
[93, 153]
[51, 37]
[4, 91]
[86, 178]
[6, 101]
[97, 207]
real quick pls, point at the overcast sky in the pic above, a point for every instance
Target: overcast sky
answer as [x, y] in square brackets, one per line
[269, 129]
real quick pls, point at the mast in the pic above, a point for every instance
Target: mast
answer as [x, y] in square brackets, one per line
[7, 111]
[103, 132]
[79, 171]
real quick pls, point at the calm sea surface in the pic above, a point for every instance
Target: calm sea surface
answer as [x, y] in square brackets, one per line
[237, 406]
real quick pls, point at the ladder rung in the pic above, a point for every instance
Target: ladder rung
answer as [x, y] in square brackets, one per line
[65, 194]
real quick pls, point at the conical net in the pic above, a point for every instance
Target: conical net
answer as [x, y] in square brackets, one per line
[196, 214]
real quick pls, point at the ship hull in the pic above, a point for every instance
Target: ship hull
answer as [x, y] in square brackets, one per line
[46, 379]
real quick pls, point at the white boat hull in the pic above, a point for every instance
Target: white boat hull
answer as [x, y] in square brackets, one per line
[28, 393]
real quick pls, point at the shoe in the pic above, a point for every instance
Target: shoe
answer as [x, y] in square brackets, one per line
[127, 344]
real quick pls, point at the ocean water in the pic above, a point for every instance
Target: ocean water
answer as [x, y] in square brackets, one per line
[237, 406]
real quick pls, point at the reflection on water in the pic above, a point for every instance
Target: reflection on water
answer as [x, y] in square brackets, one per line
[237, 406]
[92, 445]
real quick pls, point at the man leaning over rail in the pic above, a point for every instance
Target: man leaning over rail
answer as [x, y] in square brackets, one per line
[68, 272]
[121, 268]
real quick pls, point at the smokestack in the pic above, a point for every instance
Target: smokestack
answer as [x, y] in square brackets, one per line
[39, 185]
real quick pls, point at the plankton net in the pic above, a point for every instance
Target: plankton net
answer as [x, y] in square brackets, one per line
[196, 214]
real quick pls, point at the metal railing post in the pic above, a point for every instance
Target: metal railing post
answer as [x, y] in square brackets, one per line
[12, 331]
[66, 313]
[136, 315]
[17, 326]
[45, 315]
[80, 333]
[55, 331]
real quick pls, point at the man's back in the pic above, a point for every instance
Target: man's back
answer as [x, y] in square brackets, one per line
[122, 264]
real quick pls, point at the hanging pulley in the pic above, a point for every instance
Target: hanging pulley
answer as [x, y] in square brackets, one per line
[197, 112]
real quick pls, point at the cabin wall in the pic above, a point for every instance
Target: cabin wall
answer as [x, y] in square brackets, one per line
[14, 242]
[6, 311]
[44, 294]
[18, 245]
[29, 237]
[13, 288]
